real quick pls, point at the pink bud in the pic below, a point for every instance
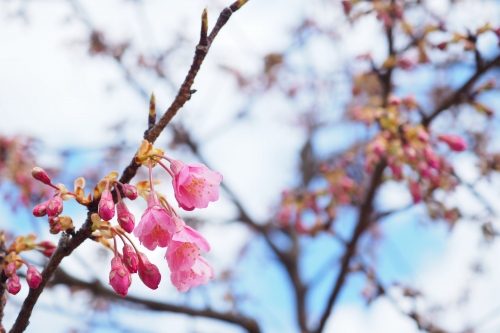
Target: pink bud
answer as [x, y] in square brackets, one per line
[40, 175]
[33, 277]
[130, 258]
[119, 277]
[130, 191]
[410, 152]
[125, 218]
[13, 285]
[10, 269]
[48, 252]
[455, 142]
[415, 192]
[55, 206]
[422, 135]
[431, 158]
[106, 206]
[55, 229]
[148, 272]
[347, 7]
[40, 209]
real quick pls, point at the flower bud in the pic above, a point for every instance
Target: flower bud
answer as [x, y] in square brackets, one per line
[55, 206]
[40, 209]
[119, 277]
[148, 272]
[125, 218]
[33, 277]
[55, 229]
[13, 284]
[40, 175]
[10, 269]
[455, 142]
[106, 206]
[130, 259]
[48, 248]
[130, 191]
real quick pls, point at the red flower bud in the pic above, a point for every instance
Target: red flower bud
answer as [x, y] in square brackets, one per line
[148, 272]
[130, 191]
[40, 175]
[13, 285]
[119, 277]
[55, 206]
[125, 218]
[33, 277]
[106, 206]
[10, 269]
[130, 258]
[40, 209]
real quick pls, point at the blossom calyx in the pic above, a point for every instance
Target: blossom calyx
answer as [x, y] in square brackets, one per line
[146, 153]
[119, 277]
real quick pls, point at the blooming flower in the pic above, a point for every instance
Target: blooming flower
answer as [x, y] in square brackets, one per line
[148, 272]
[184, 249]
[200, 273]
[119, 277]
[156, 227]
[194, 185]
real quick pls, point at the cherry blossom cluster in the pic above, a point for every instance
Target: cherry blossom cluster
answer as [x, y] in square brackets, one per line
[160, 225]
[13, 262]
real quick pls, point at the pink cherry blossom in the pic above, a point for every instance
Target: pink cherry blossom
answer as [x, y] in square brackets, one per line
[130, 259]
[130, 191]
[106, 206]
[40, 209]
[194, 185]
[13, 285]
[200, 273]
[119, 277]
[415, 191]
[33, 277]
[184, 249]
[125, 218]
[148, 272]
[455, 142]
[156, 226]
[10, 269]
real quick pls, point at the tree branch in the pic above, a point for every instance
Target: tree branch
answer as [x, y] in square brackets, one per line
[66, 244]
[98, 289]
[457, 96]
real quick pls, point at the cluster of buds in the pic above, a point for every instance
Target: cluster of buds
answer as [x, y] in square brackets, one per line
[13, 262]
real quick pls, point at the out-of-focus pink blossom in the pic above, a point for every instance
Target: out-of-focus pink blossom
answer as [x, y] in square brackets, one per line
[125, 218]
[194, 185]
[156, 226]
[431, 158]
[184, 249]
[130, 259]
[106, 205]
[55, 206]
[33, 277]
[13, 285]
[455, 142]
[422, 135]
[119, 277]
[200, 273]
[415, 191]
[148, 272]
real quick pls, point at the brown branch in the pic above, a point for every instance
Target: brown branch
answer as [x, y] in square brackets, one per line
[458, 95]
[66, 244]
[362, 224]
[100, 290]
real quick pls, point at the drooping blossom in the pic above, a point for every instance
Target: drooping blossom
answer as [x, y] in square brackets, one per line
[148, 272]
[33, 277]
[156, 226]
[125, 218]
[130, 191]
[455, 142]
[184, 249]
[13, 285]
[194, 185]
[119, 277]
[200, 273]
[106, 205]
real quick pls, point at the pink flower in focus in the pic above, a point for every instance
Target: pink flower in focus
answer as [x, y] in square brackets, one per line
[148, 272]
[40, 175]
[156, 226]
[130, 259]
[40, 209]
[455, 142]
[106, 205]
[194, 185]
[125, 218]
[55, 206]
[130, 191]
[33, 277]
[119, 277]
[13, 285]
[200, 273]
[184, 249]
